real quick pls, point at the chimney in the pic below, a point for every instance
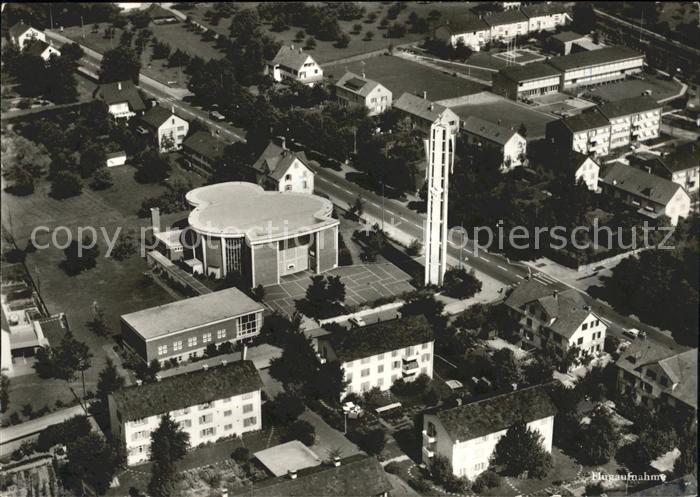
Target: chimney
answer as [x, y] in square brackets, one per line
[283, 142]
[555, 294]
[155, 219]
[431, 106]
[300, 49]
[425, 94]
[119, 85]
[292, 475]
[172, 109]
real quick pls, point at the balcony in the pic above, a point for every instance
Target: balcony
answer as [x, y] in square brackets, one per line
[410, 366]
[428, 439]
[428, 453]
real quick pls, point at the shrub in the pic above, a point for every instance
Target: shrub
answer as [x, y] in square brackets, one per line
[241, 455]
[456, 484]
[487, 479]
[393, 467]
[419, 485]
[301, 430]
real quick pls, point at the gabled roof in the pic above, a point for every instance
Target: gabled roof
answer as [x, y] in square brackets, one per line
[589, 119]
[627, 106]
[465, 24]
[378, 338]
[686, 156]
[156, 116]
[566, 310]
[567, 36]
[543, 9]
[356, 84]
[682, 369]
[111, 94]
[640, 183]
[155, 11]
[506, 17]
[19, 29]
[356, 475]
[536, 70]
[497, 413]
[275, 161]
[290, 57]
[187, 389]
[595, 57]
[487, 130]
[419, 106]
[36, 47]
[204, 144]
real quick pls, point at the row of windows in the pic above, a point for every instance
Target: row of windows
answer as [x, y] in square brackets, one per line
[409, 351]
[366, 385]
[191, 342]
[182, 412]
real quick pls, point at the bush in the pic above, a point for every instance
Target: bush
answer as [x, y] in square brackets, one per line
[456, 484]
[241, 455]
[393, 467]
[487, 479]
[301, 430]
[411, 388]
[372, 441]
[420, 485]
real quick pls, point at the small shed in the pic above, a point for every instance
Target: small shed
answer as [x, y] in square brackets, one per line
[116, 159]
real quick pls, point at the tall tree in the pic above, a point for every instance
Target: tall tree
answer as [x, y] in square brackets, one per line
[73, 356]
[23, 162]
[599, 439]
[120, 64]
[169, 444]
[506, 364]
[93, 460]
[520, 450]
[60, 76]
[4, 393]
[297, 367]
[109, 381]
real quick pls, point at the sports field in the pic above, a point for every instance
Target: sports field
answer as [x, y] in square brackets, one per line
[497, 109]
[401, 75]
[520, 57]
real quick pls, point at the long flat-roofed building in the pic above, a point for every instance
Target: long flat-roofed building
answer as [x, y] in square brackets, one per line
[208, 404]
[632, 120]
[597, 66]
[263, 235]
[182, 330]
[530, 80]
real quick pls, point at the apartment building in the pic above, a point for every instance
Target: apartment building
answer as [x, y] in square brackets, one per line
[597, 66]
[657, 371]
[280, 169]
[379, 354]
[208, 404]
[423, 113]
[467, 434]
[587, 133]
[556, 320]
[511, 147]
[507, 25]
[470, 30]
[166, 128]
[531, 80]
[122, 99]
[652, 196]
[352, 89]
[680, 165]
[293, 64]
[545, 16]
[632, 120]
[202, 151]
[182, 330]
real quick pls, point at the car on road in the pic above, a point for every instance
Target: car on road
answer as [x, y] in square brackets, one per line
[217, 116]
[356, 322]
[635, 333]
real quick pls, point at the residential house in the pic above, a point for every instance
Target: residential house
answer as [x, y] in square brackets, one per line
[202, 151]
[40, 48]
[167, 129]
[598, 66]
[352, 89]
[545, 16]
[563, 42]
[467, 434]
[652, 195]
[584, 168]
[530, 80]
[21, 34]
[182, 330]
[161, 15]
[510, 145]
[557, 321]
[587, 133]
[470, 30]
[681, 165]
[423, 113]
[208, 404]
[122, 99]
[278, 168]
[359, 475]
[656, 371]
[632, 120]
[510, 5]
[507, 25]
[379, 354]
[293, 64]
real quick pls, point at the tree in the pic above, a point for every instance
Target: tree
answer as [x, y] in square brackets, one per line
[61, 86]
[124, 247]
[687, 463]
[506, 364]
[343, 41]
[461, 284]
[73, 356]
[330, 382]
[241, 455]
[373, 441]
[169, 444]
[301, 430]
[358, 207]
[92, 158]
[297, 365]
[109, 381]
[23, 162]
[485, 480]
[4, 393]
[521, 450]
[286, 407]
[94, 460]
[98, 324]
[80, 255]
[335, 290]
[440, 469]
[65, 185]
[414, 248]
[151, 167]
[599, 439]
[101, 180]
[324, 297]
[584, 17]
[310, 43]
[396, 30]
[120, 64]
[522, 130]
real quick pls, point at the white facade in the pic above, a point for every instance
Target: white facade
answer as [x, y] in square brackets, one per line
[175, 129]
[48, 52]
[30, 34]
[377, 100]
[634, 127]
[687, 178]
[297, 178]
[121, 110]
[589, 172]
[548, 22]
[204, 422]
[309, 73]
[439, 149]
[678, 207]
[509, 31]
[470, 457]
[472, 39]
[592, 141]
[600, 73]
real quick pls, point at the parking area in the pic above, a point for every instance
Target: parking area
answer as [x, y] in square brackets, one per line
[363, 283]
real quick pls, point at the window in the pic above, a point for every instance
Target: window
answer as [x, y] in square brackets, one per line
[185, 423]
[206, 338]
[423, 370]
[208, 405]
[597, 322]
[247, 325]
[228, 413]
[380, 382]
[394, 353]
[220, 334]
[249, 421]
[288, 177]
[247, 408]
[425, 357]
[207, 418]
[580, 341]
[365, 386]
[162, 349]
[207, 432]
[177, 345]
[424, 346]
[380, 368]
[409, 350]
[191, 341]
[348, 376]
[396, 364]
[664, 381]
[228, 427]
[651, 374]
[247, 396]
[584, 326]
[138, 422]
[364, 372]
[181, 412]
[380, 357]
[529, 321]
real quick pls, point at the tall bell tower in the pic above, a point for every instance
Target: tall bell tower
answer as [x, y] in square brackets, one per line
[439, 149]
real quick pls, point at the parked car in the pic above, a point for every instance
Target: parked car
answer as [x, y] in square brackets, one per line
[217, 116]
[635, 333]
[357, 322]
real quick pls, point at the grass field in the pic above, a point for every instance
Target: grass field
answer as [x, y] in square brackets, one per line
[401, 75]
[482, 74]
[660, 88]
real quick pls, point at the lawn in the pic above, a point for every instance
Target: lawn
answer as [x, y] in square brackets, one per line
[660, 88]
[401, 75]
[476, 72]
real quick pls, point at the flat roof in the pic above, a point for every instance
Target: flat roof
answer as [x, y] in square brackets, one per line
[290, 456]
[536, 70]
[237, 209]
[605, 55]
[190, 313]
